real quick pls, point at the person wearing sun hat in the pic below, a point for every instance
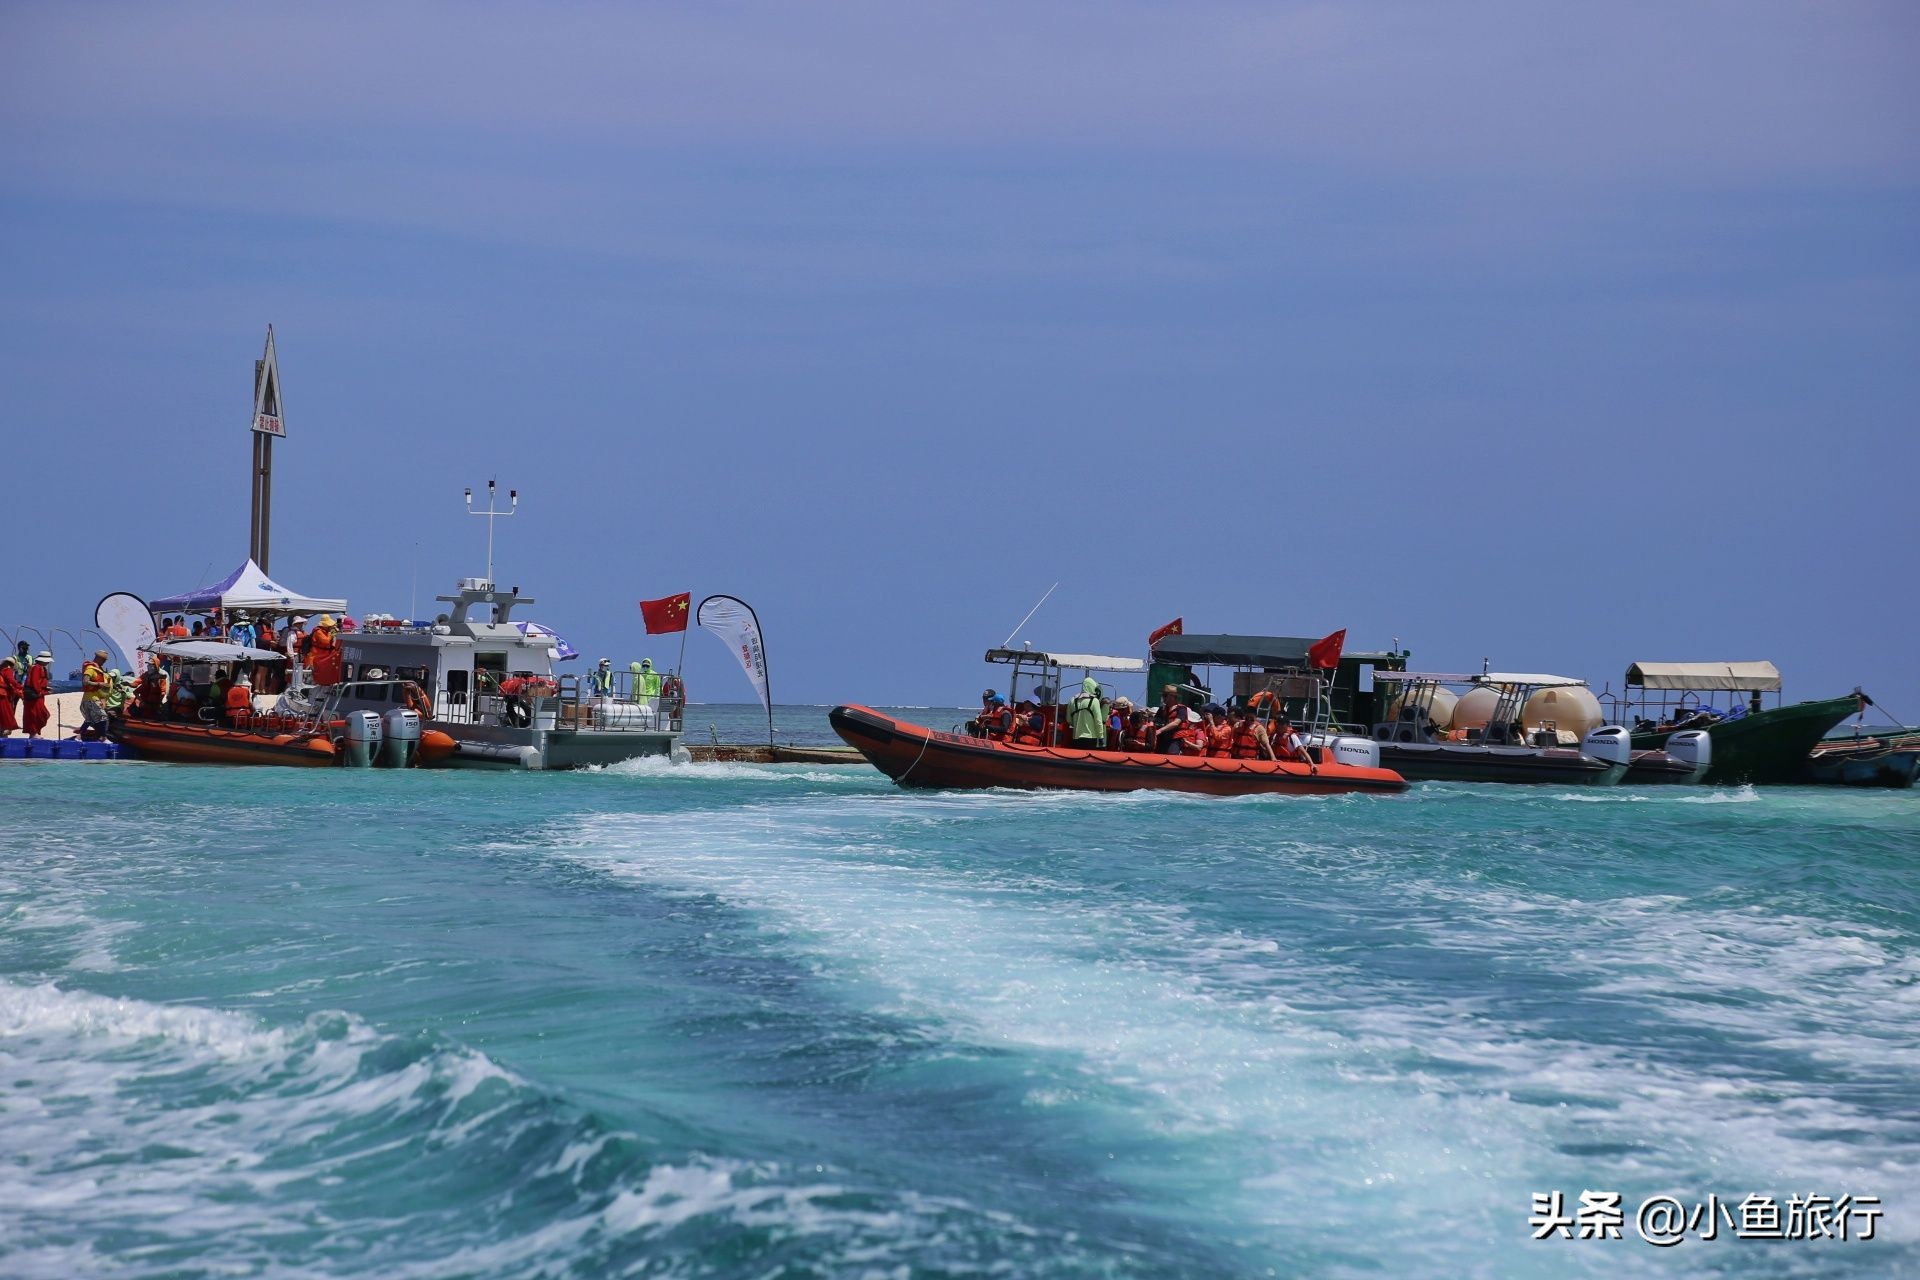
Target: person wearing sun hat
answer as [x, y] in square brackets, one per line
[323, 651]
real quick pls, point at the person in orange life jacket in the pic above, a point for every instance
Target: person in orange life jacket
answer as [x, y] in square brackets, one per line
[996, 718]
[1288, 745]
[10, 690]
[1028, 725]
[238, 703]
[1219, 731]
[1119, 717]
[177, 628]
[323, 651]
[515, 690]
[33, 694]
[151, 692]
[1167, 719]
[1139, 736]
[1250, 741]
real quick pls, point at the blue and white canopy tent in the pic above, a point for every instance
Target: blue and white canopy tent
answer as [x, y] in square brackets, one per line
[248, 588]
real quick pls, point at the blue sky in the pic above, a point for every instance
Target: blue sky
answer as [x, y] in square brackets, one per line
[1565, 337]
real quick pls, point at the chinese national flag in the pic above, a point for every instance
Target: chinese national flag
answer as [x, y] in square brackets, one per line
[1326, 653]
[1171, 629]
[669, 614]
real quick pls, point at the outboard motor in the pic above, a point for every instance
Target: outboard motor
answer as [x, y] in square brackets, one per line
[361, 745]
[402, 729]
[1360, 753]
[1692, 747]
[1612, 744]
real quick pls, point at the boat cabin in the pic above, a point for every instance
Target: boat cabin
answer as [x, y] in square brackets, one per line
[1344, 696]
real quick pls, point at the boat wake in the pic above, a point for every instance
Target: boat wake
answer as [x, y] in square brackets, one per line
[199, 1140]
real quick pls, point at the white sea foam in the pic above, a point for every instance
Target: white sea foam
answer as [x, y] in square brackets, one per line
[1286, 1062]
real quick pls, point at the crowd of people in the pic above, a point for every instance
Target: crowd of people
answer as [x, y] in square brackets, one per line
[316, 648]
[1258, 729]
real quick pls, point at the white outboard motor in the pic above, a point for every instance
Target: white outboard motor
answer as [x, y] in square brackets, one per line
[402, 729]
[1612, 744]
[1692, 747]
[1360, 753]
[361, 746]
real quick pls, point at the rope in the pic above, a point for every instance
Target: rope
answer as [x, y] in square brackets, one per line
[927, 738]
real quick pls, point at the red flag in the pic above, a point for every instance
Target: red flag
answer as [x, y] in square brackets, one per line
[669, 614]
[1326, 653]
[1171, 629]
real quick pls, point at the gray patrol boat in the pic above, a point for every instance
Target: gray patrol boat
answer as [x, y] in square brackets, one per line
[492, 687]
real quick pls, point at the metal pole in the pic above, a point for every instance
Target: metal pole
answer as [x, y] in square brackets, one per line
[266, 502]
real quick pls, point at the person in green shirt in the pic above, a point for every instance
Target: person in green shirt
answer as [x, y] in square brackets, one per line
[646, 681]
[1087, 717]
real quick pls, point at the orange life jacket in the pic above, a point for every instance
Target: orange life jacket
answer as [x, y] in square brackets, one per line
[239, 701]
[1220, 739]
[1246, 742]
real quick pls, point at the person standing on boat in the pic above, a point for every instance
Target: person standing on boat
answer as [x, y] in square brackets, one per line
[648, 687]
[1087, 717]
[10, 690]
[323, 651]
[94, 683]
[1119, 716]
[33, 694]
[600, 681]
[151, 693]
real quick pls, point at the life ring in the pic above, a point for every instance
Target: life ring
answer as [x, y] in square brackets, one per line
[674, 695]
[417, 700]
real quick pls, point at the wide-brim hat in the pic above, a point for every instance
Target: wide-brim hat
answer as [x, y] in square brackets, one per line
[43, 656]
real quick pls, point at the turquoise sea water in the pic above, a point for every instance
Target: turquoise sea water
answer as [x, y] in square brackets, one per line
[792, 1021]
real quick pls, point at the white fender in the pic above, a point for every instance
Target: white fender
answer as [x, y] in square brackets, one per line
[1693, 747]
[402, 729]
[362, 744]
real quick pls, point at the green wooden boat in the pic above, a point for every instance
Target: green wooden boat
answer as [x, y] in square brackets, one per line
[1767, 745]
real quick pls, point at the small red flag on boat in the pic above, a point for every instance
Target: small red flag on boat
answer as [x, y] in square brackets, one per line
[669, 614]
[1326, 653]
[1171, 629]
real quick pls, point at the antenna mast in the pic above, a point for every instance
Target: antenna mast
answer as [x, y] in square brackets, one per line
[491, 514]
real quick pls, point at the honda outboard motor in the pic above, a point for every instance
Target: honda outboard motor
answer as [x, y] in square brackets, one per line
[1612, 744]
[361, 746]
[1692, 747]
[1361, 753]
[402, 729]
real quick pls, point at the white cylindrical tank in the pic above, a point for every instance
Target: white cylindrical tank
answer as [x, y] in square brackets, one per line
[1572, 709]
[361, 745]
[1475, 708]
[1440, 709]
[402, 729]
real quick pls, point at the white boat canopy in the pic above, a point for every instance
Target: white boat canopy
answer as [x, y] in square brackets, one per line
[214, 651]
[1747, 677]
[1069, 661]
[248, 588]
[1482, 678]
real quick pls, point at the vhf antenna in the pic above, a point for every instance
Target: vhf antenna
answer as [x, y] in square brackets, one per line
[513, 503]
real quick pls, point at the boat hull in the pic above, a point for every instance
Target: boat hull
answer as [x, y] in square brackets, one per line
[1657, 768]
[1879, 765]
[1468, 762]
[1767, 747]
[484, 746]
[916, 756]
[209, 744]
